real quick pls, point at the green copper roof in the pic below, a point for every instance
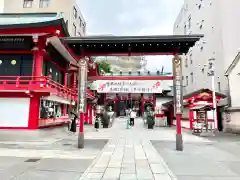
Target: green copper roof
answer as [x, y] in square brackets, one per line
[28, 18]
[138, 74]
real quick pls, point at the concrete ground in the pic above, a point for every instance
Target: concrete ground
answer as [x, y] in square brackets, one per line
[117, 153]
[215, 158]
[47, 154]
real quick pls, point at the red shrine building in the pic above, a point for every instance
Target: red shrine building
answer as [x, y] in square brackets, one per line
[38, 72]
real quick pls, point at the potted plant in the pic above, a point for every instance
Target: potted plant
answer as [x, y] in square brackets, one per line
[150, 120]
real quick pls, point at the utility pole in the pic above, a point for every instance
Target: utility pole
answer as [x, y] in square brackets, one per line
[211, 72]
[82, 102]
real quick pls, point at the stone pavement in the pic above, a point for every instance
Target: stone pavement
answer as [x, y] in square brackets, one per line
[129, 155]
[47, 154]
[117, 153]
[215, 158]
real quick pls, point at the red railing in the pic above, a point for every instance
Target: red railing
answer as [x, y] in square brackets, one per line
[38, 83]
[35, 83]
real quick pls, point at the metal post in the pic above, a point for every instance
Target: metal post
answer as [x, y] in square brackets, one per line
[177, 71]
[82, 87]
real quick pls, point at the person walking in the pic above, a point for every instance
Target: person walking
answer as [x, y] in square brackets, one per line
[72, 126]
[132, 117]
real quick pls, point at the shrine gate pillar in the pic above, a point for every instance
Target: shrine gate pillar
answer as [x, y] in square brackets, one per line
[178, 100]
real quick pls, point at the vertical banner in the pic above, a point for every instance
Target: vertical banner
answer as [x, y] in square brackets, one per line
[177, 84]
[82, 85]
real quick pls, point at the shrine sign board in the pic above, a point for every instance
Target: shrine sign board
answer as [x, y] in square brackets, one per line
[129, 86]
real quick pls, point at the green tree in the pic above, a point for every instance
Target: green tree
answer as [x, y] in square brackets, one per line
[104, 66]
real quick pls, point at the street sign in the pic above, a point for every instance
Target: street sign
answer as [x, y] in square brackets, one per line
[211, 67]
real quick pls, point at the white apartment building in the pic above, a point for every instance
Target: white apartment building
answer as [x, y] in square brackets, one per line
[71, 11]
[218, 21]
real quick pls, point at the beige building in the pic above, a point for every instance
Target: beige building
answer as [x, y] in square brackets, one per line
[71, 12]
[126, 63]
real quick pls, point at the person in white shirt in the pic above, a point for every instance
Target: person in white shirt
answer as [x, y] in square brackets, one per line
[132, 116]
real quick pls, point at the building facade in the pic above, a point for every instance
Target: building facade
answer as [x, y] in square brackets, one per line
[217, 20]
[232, 112]
[125, 63]
[71, 12]
[38, 75]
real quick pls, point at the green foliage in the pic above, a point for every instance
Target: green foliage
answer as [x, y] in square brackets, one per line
[104, 66]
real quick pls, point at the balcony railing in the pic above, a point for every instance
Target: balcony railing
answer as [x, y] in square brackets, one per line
[36, 84]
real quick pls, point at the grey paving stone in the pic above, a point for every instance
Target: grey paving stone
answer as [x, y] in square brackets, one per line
[142, 163]
[162, 177]
[195, 178]
[112, 173]
[97, 170]
[128, 177]
[73, 165]
[128, 170]
[94, 176]
[7, 162]
[158, 169]
[47, 175]
[144, 173]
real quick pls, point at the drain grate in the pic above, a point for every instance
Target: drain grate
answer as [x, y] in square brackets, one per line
[32, 160]
[67, 144]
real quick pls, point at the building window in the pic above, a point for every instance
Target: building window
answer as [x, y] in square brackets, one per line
[186, 62]
[66, 24]
[185, 29]
[44, 3]
[191, 77]
[199, 6]
[80, 21]
[27, 3]
[75, 12]
[74, 30]
[186, 80]
[190, 57]
[84, 28]
[219, 87]
[189, 22]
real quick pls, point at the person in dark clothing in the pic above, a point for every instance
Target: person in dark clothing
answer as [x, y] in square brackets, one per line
[73, 124]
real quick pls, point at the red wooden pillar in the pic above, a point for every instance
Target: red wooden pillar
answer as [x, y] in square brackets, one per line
[38, 63]
[74, 81]
[65, 79]
[33, 112]
[171, 113]
[86, 115]
[90, 113]
[142, 105]
[191, 118]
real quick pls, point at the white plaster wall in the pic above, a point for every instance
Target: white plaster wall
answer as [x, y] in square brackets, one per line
[234, 80]
[220, 27]
[14, 112]
[231, 123]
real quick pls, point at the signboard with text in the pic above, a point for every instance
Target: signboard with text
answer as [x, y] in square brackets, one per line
[129, 86]
[82, 80]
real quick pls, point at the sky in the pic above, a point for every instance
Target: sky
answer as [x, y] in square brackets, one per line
[133, 17]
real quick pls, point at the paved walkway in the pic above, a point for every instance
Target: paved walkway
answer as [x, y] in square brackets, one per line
[129, 155]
